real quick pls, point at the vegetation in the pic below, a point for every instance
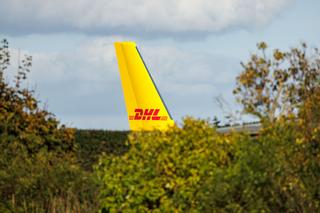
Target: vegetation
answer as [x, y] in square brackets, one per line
[92, 143]
[38, 165]
[272, 173]
[47, 167]
[194, 169]
[278, 86]
[163, 170]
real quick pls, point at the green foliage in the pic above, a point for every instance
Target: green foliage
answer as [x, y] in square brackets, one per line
[163, 170]
[38, 167]
[195, 169]
[274, 172]
[92, 143]
[44, 183]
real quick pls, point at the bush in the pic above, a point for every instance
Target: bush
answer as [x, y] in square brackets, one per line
[163, 170]
[92, 143]
[44, 183]
[38, 167]
[274, 172]
[198, 170]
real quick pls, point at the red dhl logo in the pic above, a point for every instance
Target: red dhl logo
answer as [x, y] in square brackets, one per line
[147, 114]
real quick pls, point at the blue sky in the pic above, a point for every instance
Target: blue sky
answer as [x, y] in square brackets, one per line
[193, 49]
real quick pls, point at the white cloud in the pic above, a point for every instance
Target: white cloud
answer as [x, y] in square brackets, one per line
[142, 17]
[89, 62]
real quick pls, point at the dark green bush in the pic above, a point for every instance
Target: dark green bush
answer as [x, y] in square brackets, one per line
[92, 143]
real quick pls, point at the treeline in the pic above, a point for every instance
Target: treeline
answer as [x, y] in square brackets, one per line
[47, 167]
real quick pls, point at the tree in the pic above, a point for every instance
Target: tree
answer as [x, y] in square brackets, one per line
[284, 92]
[38, 167]
[279, 85]
[21, 117]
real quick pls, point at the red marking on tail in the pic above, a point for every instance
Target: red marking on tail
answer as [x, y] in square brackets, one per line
[147, 114]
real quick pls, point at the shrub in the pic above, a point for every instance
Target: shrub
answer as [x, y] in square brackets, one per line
[38, 167]
[163, 170]
[92, 143]
[198, 170]
[274, 173]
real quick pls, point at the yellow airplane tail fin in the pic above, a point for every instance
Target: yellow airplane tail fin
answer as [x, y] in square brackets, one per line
[145, 107]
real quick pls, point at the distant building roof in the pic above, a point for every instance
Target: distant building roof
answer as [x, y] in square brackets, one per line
[251, 128]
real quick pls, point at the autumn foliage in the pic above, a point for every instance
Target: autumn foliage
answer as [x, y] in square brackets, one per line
[278, 85]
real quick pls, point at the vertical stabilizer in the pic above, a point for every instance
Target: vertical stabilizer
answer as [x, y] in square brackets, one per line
[145, 107]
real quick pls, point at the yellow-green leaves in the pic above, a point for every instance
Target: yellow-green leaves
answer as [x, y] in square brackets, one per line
[162, 170]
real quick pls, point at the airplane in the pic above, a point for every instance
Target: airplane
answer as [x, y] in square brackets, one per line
[145, 106]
